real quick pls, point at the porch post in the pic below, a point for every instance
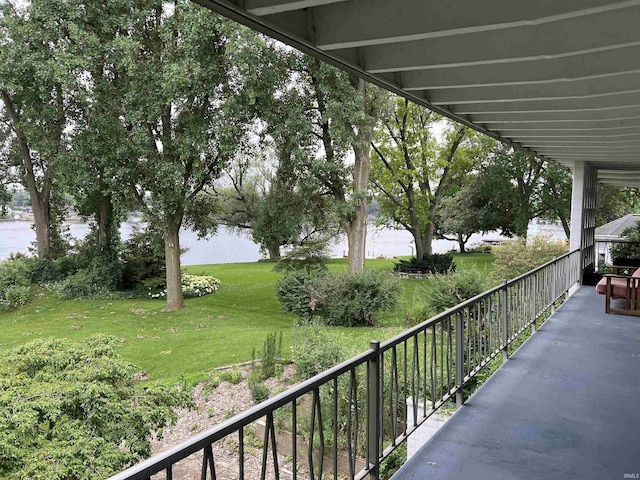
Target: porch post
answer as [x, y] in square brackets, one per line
[583, 203]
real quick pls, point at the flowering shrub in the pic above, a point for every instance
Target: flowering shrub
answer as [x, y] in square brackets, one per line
[192, 286]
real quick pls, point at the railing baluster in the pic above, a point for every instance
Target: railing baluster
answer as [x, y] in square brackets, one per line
[208, 464]
[335, 428]
[241, 453]
[373, 412]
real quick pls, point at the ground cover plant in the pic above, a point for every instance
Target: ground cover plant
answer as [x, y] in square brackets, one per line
[73, 410]
[215, 330]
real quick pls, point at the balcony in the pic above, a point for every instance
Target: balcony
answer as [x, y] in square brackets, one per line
[565, 405]
[346, 422]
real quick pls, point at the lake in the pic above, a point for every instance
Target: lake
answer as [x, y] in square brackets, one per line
[228, 247]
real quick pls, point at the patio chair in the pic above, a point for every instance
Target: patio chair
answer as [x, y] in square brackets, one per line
[622, 284]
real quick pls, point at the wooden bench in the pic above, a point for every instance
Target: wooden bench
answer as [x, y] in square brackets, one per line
[624, 284]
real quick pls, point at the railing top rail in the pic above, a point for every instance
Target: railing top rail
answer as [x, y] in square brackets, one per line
[196, 443]
[454, 310]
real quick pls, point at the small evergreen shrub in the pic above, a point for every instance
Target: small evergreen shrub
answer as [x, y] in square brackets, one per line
[15, 282]
[259, 391]
[315, 350]
[271, 352]
[447, 291]
[296, 291]
[143, 257]
[310, 256]
[342, 299]
[436, 263]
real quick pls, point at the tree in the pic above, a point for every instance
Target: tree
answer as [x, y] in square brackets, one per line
[515, 187]
[191, 84]
[37, 79]
[412, 172]
[455, 221]
[615, 202]
[90, 172]
[342, 111]
[72, 411]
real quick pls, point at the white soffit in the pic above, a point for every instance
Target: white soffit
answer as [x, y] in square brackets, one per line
[559, 78]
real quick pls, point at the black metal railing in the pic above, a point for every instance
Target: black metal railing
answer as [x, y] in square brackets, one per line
[344, 422]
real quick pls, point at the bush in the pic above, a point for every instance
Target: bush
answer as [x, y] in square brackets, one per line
[315, 350]
[310, 256]
[17, 295]
[512, 259]
[143, 257]
[356, 299]
[436, 263]
[343, 299]
[15, 282]
[74, 411]
[98, 280]
[446, 291]
[193, 286]
[271, 352]
[296, 292]
[259, 391]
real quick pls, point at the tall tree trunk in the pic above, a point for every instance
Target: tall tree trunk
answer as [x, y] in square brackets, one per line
[462, 243]
[274, 251]
[105, 221]
[41, 218]
[40, 198]
[357, 228]
[175, 298]
[427, 238]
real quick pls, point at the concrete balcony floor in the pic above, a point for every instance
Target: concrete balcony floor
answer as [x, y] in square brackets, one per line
[566, 405]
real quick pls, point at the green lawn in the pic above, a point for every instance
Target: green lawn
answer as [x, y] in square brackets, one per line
[215, 330]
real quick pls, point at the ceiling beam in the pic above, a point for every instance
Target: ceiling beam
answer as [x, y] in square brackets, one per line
[585, 125]
[383, 21]
[611, 102]
[575, 36]
[578, 89]
[271, 7]
[591, 65]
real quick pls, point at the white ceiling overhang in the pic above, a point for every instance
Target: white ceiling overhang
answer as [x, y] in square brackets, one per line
[559, 78]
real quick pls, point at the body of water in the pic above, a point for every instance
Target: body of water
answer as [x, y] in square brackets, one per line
[228, 247]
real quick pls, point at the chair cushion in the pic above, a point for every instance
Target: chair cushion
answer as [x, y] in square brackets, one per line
[618, 286]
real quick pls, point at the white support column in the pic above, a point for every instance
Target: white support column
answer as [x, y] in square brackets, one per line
[583, 199]
[577, 205]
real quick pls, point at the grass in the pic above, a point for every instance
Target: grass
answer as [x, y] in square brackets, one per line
[215, 330]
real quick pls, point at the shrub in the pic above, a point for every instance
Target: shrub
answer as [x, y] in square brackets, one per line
[98, 280]
[314, 350]
[234, 376]
[74, 411]
[310, 256]
[344, 299]
[17, 295]
[512, 259]
[271, 352]
[356, 299]
[259, 391]
[446, 291]
[15, 281]
[436, 263]
[297, 290]
[193, 286]
[143, 257]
